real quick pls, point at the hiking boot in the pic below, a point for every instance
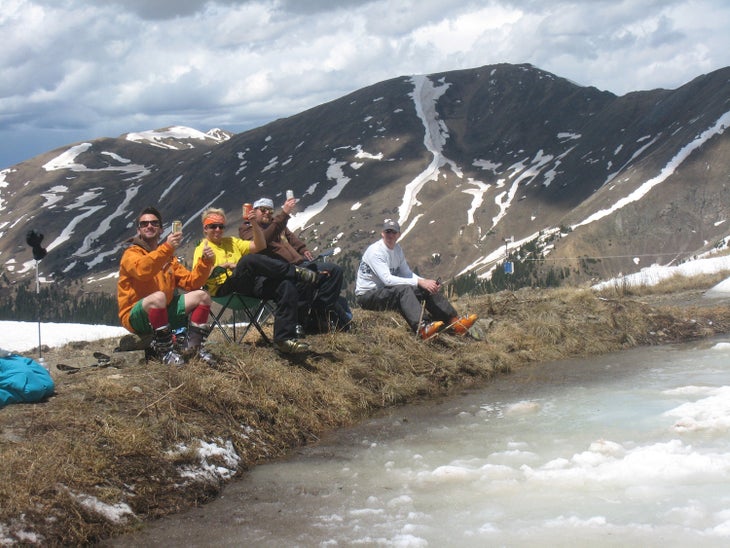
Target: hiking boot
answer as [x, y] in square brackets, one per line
[172, 358]
[291, 346]
[169, 357]
[461, 326]
[205, 356]
[305, 275]
[162, 347]
[429, 329]
[195, 343]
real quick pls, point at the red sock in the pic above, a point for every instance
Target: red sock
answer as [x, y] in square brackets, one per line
[158, 317]
[200, 314]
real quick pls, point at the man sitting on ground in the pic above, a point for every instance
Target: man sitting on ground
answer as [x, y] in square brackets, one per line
[386, 282]
[283, 244]
[245, 271]
[149, 273]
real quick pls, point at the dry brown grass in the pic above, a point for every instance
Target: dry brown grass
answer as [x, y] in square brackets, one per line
[122, 435]
[675, 284]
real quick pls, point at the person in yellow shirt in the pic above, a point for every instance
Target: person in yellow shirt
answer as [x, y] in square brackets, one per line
[245, 271]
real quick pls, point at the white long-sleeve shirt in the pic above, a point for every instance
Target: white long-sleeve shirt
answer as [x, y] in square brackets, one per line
[383, 267]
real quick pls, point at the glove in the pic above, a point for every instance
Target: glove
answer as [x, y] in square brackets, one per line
[34, 239]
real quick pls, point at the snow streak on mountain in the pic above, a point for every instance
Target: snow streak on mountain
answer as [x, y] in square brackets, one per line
[473, 163]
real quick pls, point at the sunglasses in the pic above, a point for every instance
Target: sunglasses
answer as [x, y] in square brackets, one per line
[155, 223]
[266, 210]
[391, 231]
[215, 226]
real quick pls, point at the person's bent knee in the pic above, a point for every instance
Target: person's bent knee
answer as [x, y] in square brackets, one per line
[205, 298]
[198, 297]
[158, 299]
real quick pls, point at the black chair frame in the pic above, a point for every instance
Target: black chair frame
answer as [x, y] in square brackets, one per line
[255, 310]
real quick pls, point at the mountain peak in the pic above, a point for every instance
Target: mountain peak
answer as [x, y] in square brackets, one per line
[177, 137]
[466, 160]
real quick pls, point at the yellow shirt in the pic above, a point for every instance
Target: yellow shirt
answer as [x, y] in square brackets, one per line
[230, 250]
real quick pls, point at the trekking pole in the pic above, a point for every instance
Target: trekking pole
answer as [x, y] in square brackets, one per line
[38, 311]
[420, 318]
[34, 239]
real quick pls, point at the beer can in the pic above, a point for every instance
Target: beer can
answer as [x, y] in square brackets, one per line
[289, 194]
[246, 210]
[176, 226]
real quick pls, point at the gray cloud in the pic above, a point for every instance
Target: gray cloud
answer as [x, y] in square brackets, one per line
[319, 6]
[86, 69]
[163, 9]
[169, 9]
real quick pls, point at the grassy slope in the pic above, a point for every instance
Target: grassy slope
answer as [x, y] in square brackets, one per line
[110, 433]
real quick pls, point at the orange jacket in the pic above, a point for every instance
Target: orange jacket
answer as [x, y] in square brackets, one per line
[143, 271]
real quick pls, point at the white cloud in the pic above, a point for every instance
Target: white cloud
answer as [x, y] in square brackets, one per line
[83, 70]
[462, 33]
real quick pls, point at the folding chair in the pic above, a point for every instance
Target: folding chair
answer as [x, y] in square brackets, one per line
[255, 311]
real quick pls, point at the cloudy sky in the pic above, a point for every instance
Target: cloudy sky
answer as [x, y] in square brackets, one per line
[73, 70]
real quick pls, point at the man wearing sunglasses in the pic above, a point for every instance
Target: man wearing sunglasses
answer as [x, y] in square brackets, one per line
[244, 270]
[386, 282]
[321, 304]
[149, 274]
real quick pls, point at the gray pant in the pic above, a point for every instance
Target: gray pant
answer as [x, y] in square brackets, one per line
[407, 300]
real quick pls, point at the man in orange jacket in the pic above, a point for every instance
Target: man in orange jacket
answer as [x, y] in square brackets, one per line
[149, 274]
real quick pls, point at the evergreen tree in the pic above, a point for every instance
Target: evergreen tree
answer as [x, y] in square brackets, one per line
[56, 303]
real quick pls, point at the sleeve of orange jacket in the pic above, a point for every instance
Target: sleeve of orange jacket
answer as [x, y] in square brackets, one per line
[195, 278]
[145, 266]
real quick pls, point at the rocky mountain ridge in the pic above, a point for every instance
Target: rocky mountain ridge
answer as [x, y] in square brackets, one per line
[473, 164]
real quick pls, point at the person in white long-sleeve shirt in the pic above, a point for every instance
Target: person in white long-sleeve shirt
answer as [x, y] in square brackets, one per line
[386, 282]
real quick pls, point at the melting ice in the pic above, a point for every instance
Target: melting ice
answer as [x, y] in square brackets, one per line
[626, 449]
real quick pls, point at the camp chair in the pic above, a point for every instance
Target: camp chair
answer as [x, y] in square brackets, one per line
[254, 312]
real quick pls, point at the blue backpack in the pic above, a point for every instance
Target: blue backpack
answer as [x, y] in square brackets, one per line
[22, 380]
